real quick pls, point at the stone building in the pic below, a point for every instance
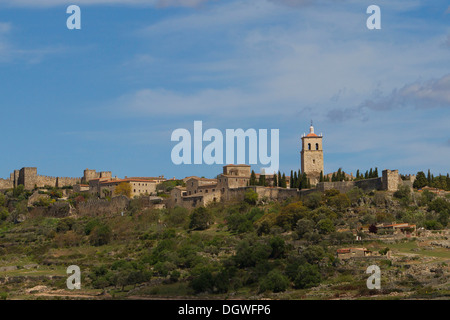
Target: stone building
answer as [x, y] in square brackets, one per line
[93, 174]
[347, 253]
[102, 187]
[312, 156]
[234, 183]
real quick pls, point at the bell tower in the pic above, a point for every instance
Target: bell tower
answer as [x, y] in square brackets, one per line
[312, 155]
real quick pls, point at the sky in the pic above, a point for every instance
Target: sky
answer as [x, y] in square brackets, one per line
[109, 96]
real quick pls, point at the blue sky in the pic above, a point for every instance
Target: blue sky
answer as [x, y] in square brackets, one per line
[108, 96]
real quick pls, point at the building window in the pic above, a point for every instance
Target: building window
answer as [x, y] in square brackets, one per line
[309, 146]
[317, 146]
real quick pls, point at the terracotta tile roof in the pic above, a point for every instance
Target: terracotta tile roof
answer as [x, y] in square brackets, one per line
[126, 180]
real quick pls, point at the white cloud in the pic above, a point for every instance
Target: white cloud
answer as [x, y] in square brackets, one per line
[321, 61]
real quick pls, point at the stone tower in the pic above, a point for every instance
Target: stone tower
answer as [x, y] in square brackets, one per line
[312, 156]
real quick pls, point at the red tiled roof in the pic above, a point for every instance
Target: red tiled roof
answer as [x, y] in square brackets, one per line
[311, 135]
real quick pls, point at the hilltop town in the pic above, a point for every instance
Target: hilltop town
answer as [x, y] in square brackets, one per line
[231, 184]
[308, 235]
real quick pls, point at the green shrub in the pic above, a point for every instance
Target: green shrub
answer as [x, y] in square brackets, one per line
[307, 276]
[275, 281]
[100, 235]
[200, 219]
[251, 197]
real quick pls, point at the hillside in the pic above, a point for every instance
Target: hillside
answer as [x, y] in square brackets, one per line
[253, 249]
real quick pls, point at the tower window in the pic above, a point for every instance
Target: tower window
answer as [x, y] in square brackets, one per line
[314, 160]
[317, 146]
[309, 146]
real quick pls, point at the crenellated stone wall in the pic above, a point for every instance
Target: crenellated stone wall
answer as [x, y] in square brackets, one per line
[29, 178]
[6, 184]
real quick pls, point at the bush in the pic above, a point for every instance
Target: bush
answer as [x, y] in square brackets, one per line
[307, 276]
[314, 200]
[304, 226]
[200, 218]
[290, 214]
[249, 253]
[278, 247]
[325, 226]
[100, 235]
[177, 217]
[4, 213]
[68, 239]
[355, 194]
[204, 282]
[251, 197]
[91, 225]
[275, 281]
[433, 225]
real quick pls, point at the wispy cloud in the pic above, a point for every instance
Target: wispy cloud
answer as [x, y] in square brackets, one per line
[433, 93]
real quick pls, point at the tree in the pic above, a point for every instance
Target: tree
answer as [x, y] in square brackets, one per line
[278, 247]
[291, 179]
[279, 179]
[262, 179]
[303, 226]
[275, 180]
[373, 228]
[295, 181]
[313, 200]
[124, 188]
[251, 197]
[283, 181]
[304, 182]
[100, 235]
[325, 226]
[253, 178]
[307, 276]
[421, 181]
[275, 281]
[201, 219]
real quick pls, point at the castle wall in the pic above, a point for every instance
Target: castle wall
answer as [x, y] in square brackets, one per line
[345, 186]
[42, 181]
[28, 177]
[67, 182]
[391, 180]
[6, 184]
[369, 184]
[103, 207]
[342, 186]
